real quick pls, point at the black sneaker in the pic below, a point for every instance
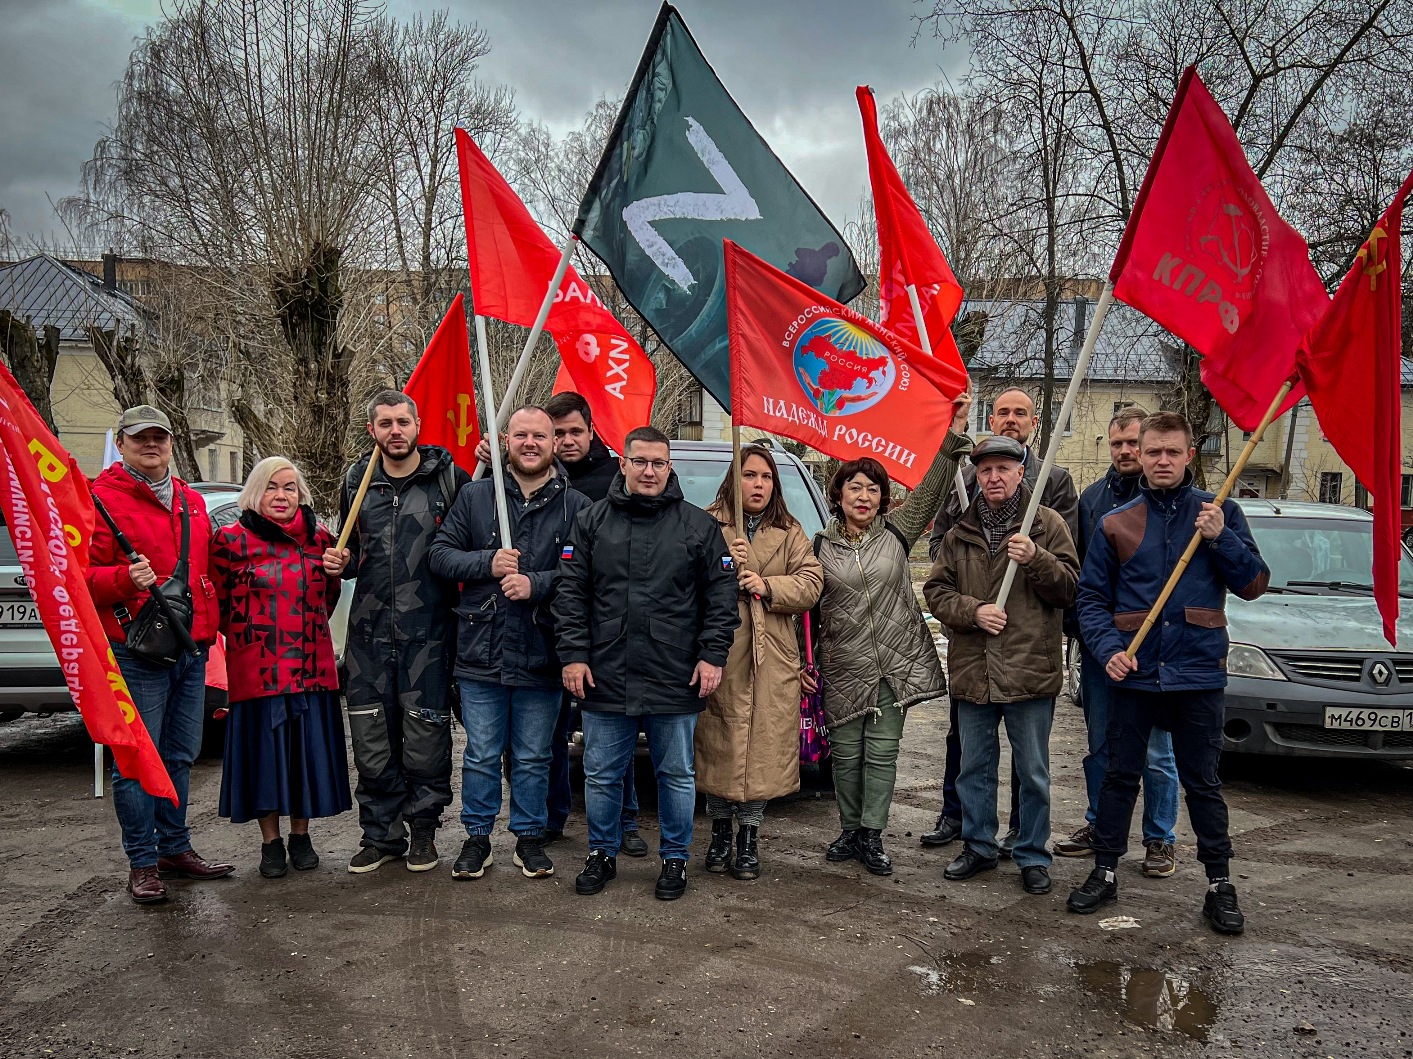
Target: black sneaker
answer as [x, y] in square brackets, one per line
[422, 850]
[632, 844]
[672, 883]
[1101, 888]
[947, 830]
[870, 843]
[272, 859]
[369, 858]
[1221, 910]
[530, 857]
[301, 853]
[599, 870]
[475, 858]
[552, 834]
[845, 847]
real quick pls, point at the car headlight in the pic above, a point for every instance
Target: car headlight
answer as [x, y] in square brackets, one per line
[1244, 660]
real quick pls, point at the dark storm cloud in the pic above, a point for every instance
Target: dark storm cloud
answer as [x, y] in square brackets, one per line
[791, 66]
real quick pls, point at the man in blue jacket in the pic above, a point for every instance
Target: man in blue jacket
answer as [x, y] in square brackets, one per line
[1176, 681]
[506, 666]
[1160, 780]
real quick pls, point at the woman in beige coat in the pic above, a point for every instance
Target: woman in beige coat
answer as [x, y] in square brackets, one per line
[748, 740]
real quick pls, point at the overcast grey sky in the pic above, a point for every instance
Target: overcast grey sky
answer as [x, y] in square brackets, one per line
[791, 64]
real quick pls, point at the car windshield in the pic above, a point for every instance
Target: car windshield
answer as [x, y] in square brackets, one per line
[1323, 556]
[700, 479]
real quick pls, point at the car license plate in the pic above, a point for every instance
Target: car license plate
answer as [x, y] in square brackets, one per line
[19, 615]
[1369, 720]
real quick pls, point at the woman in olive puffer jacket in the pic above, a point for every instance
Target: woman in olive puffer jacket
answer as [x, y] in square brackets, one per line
[876, 654]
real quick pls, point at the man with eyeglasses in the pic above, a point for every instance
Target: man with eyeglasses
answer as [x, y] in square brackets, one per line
[645, 614]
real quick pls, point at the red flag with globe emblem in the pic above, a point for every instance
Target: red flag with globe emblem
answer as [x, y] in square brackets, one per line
[808, 368]
[1206, 255]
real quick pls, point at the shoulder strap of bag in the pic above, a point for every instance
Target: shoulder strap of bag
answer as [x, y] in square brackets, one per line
[179, 572]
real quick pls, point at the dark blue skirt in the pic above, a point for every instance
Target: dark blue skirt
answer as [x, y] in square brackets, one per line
[285, 754]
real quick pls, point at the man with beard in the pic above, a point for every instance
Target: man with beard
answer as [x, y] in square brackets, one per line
[506, 664]
[1012, 416]
[398, 649]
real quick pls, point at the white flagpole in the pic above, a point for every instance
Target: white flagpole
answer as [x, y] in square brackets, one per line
[488, 397]
[1081, 369]
[926, 342]
[523, 364]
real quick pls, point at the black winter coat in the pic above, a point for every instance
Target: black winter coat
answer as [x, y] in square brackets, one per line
[644, 591]
[501, 640]
[595, 472]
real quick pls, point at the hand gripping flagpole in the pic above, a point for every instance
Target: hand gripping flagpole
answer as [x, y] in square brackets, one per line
[488, 397]
[1081, 369]
[523, 364]
[1218, 501]
[926, 343]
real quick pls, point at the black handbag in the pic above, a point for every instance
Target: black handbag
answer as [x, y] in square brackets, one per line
[149, 635]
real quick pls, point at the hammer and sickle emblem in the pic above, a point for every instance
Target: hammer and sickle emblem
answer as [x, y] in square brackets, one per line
[1374, 260]
[465, 426]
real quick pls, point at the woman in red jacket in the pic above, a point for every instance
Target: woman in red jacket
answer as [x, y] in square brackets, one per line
[285, 751]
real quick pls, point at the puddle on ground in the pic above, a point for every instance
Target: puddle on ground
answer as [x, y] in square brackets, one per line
[1162, 1000]
[957, 972]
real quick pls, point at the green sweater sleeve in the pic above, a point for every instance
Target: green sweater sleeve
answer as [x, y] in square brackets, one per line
[917, 511]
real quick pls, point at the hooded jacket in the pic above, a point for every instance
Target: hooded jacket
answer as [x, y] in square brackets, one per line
[1135, 549]
[593, 475]
[275, 605]
[154, 532]
[501, 640]
[644, 590]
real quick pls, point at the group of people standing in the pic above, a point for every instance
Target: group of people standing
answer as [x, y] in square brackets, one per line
[616, 598]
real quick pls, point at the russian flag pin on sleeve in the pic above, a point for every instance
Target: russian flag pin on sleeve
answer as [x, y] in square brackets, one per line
[567, 552]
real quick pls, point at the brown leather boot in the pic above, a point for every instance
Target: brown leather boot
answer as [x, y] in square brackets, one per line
[146, 886]
[193, 866]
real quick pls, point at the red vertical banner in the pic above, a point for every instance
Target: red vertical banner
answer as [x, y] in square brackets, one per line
[444, 390]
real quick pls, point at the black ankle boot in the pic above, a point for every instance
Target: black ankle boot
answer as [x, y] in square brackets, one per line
[747, 864]
[719, 852]
[273, 862]
[871, 851]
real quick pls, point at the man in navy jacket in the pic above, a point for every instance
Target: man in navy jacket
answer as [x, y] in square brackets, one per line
[1176, 681]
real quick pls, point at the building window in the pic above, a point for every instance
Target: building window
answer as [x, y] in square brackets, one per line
[983, 416]
[1119, 406]
[235, 467]
[1361, 496]
[1405, 492]
[212, 463]
[1331, 487]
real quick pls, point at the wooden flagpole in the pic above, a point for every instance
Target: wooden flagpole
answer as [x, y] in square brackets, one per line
[351, 519]
[488, 397]
[523, 364]
[1081, 368]
[926, 343]
[1218, 500]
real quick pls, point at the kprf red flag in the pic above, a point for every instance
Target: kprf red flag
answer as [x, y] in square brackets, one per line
[49, 511]
[444, 390]
[1207, 256]
[808, 368]
[512, 263]
[907, 252]
[1352, 364]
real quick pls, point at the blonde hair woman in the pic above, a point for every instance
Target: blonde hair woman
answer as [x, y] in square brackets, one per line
[285, 752]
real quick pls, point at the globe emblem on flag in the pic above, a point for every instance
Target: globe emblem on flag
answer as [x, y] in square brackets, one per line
[841, 367]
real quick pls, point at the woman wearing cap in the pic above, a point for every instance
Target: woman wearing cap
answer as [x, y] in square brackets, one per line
[155, 509]
[877, 657]
[748, 739]
[285, 753]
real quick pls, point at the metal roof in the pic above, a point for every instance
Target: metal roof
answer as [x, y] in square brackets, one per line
[46, 291]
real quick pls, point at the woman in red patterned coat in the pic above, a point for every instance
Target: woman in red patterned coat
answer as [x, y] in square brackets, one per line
[285, 751]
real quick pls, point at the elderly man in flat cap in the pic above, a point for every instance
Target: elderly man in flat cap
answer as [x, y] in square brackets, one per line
[1004, 665]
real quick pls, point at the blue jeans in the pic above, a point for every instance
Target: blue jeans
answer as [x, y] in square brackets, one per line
[1028, 729]
[609, 742]
[561, 795]
[494, 715]
[1160, 777]
[172, 705]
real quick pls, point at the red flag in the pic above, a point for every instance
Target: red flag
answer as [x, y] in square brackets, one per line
[444, 391]
[806, 367]
[512, 262]
[907, 252]
[47, 504]
[1207, 256]
[1352, 363]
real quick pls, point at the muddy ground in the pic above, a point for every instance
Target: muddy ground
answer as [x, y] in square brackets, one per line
[813, 959]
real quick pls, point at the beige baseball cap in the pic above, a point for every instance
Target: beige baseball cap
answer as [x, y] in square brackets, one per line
[143, 417]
